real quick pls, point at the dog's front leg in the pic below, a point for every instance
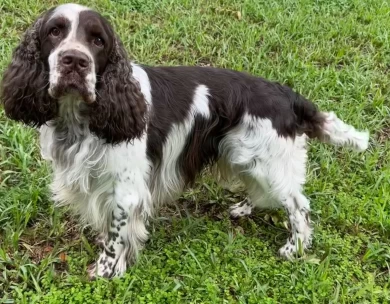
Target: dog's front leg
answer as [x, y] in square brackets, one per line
[126, 233]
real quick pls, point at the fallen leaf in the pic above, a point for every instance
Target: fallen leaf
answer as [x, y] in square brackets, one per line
[48, 249]
[63, 257]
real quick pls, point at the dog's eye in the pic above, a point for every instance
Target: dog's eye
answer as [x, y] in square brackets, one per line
[98, 41]
[55, 32]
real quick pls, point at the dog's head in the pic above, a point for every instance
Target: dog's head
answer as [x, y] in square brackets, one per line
[72, 51]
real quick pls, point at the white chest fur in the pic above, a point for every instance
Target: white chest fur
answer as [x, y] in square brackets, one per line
[90, 176]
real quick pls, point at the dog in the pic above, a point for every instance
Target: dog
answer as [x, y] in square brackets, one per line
[125, 138]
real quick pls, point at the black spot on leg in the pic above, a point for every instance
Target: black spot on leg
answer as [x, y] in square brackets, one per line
[112, 235]
[123, 216]
[121, 224]
[109, 264]
[110, 254]
[111, 248]
[242, 203]
[106, 275]
[292, 240]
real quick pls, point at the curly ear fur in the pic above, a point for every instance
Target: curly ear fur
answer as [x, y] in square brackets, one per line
[24, 85]
[120, 108]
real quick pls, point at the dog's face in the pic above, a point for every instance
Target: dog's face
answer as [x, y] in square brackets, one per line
[75, 43]
[73, 51]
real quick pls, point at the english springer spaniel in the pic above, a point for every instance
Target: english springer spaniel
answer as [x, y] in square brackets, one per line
[124, 139]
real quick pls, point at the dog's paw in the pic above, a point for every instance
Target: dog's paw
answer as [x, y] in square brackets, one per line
[107, 267]
[104, 267]
[288, 251]
[241, 209]
[294, 248]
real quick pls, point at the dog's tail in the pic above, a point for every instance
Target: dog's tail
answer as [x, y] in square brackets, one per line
[326, 126]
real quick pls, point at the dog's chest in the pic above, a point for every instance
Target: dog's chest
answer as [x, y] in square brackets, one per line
[77, 161]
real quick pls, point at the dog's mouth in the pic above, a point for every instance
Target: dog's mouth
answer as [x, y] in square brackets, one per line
[72, 84]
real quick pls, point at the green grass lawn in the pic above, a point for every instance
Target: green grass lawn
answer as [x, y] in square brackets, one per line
[335, 52]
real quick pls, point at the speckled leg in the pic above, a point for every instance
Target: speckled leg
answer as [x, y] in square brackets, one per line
[298, 211]
[125, 237]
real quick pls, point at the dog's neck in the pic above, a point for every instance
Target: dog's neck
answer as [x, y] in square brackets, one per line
[72, 144]
[71, 122]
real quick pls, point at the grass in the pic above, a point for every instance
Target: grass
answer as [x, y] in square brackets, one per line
[336, 52]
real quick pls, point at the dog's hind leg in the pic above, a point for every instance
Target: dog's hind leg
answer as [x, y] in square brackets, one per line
[273, 168]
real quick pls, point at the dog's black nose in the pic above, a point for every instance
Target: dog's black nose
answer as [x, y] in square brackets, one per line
[75, 60]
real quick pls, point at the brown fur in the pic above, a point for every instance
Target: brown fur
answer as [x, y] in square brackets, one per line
[25, 82]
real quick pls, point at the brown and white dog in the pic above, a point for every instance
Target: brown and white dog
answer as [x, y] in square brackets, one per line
[125, 138]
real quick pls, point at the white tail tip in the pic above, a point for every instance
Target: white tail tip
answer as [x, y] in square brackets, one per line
[337, 132]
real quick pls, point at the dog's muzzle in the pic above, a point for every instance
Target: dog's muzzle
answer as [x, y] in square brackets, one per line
[74, 76]
[74, 61]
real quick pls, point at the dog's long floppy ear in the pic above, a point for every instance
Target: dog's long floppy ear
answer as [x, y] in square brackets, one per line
[119, 111]
[24, 86]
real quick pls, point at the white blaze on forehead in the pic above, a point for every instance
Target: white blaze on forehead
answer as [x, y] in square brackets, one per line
[69, 10]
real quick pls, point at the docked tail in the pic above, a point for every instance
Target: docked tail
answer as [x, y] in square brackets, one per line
[326, 126]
